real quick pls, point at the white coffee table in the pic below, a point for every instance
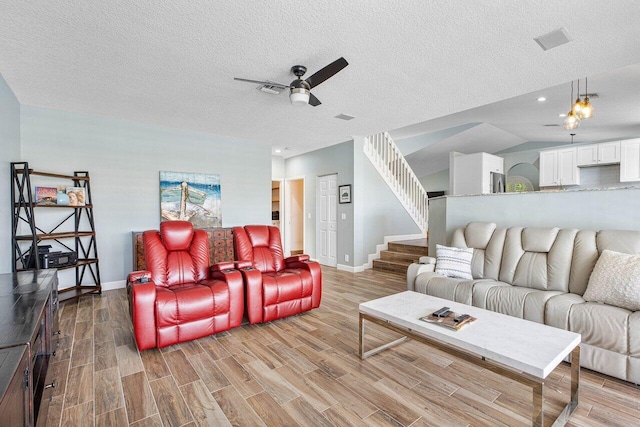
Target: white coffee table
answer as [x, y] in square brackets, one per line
[518, 349]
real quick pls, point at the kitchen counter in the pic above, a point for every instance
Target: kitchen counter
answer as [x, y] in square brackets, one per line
[566, 190]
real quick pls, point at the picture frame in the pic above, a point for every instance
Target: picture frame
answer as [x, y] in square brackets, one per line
[77, 196]
[46, 195]
[344, 193]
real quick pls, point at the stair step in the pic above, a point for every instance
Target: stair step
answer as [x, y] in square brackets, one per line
[399, 256]
[392, 266]
[419, 248]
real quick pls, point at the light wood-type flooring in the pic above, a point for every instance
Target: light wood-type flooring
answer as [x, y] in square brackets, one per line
[301, 370]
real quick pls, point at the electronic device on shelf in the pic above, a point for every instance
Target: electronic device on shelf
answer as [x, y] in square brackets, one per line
[58, 259]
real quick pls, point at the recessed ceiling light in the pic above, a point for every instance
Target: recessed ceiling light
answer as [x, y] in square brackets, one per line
[278, 150]
[562, 115]
[541, 99]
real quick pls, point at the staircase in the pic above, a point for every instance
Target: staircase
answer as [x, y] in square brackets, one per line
[400, 255]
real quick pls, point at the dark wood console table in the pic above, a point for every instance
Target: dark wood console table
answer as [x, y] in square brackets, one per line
[28, 338]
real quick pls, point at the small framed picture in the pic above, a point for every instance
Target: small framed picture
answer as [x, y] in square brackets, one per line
[77, 196]
[344, 193]
[46, 195]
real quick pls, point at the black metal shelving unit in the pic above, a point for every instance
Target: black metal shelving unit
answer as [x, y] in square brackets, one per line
[78, 227]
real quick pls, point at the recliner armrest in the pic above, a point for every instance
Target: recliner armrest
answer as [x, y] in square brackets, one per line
[142, 303]
[296, 258]
[415, 269]
[139, 276]
[222, 266]
[427, 260]
[239, 265]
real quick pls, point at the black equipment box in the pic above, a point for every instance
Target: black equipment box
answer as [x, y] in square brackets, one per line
[58, 259]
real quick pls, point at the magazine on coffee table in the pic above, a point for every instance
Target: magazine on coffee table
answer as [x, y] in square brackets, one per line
[452, 320]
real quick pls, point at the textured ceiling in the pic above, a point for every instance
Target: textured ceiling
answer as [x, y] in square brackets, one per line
[172, 63]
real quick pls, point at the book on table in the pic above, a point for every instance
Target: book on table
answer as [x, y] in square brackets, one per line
[451, 320]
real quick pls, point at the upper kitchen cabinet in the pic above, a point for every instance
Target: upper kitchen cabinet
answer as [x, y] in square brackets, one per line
[559, 167]
[598, 154]
[630, 160]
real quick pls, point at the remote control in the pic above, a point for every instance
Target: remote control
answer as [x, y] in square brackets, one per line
[441, 312]
[461, 318]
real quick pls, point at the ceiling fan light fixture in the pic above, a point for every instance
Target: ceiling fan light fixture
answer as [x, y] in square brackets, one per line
[299, 96]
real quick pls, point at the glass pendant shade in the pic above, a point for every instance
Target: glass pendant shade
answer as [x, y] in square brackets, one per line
[572, 121]
[577, 106]
[586, 110]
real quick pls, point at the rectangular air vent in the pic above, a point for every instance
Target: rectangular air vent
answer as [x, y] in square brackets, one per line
[344, 117]
[553, 39]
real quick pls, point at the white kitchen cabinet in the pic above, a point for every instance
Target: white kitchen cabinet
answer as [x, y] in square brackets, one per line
[630, 160]
[607, 153]
[559, 167]
[472, 173]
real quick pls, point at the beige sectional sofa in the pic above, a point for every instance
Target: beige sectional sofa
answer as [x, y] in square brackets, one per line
[541, 274]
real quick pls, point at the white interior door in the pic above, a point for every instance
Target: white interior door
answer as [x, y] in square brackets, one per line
[327, 220]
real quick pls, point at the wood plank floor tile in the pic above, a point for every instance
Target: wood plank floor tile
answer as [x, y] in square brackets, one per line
[180, 367]
[312, 393]
[54, 414]
[117, 417]
[101, 315]
[203, 406]
[237, 410]
[351, 400]
[152, 421]
[209, 372]
[80, 386]
[105, 355]
[305, 414]
[293, 358]
[82, 352]
[138, 398]
[382, 419]
[77, 416]
[60, 371]
[269, 410]
[214, 348]
[83, 330]
[129, 360]
[108, 391]
[154, 364]
[281, 390]
[103, 332]
[239, 377]
[171, 405]
[340, 416]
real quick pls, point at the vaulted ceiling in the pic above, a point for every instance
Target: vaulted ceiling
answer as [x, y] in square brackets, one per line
[172, 63]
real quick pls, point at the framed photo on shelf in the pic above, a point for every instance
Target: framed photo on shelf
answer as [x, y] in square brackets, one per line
[77, 196]
[344, 194]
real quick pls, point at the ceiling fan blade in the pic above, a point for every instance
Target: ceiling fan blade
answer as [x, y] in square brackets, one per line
[265, 82]
[313, 101]
[326, 72]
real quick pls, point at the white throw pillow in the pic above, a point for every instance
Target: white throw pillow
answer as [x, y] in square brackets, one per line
[454, 262]
[615, 280]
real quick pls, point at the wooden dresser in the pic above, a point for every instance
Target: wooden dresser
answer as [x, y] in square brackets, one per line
[28, 338]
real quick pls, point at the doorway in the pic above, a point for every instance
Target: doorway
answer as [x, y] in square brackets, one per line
[327, 222]
[294, 216]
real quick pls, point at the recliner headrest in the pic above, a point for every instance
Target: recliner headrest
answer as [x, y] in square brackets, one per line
[176, 235]
[258, 235]
[478, 234]
[539, 239]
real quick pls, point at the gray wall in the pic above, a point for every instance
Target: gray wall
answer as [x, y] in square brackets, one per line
[614, 209]
[438, 181]
[335, 159]
[9, 152]
[124, 160]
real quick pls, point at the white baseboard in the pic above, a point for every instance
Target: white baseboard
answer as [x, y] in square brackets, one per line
[118, 284]
[351, 269]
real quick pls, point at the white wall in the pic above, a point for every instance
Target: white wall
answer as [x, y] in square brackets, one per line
[9, 152]
[124, 160]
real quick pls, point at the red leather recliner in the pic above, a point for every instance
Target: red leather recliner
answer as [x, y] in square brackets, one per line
[275, 287]
[180, 297]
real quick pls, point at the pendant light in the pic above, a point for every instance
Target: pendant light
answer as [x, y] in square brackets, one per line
[572, 120]
[586, 112]
[577, 106]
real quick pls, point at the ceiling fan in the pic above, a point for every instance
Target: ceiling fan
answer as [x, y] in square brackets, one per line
[300, 89]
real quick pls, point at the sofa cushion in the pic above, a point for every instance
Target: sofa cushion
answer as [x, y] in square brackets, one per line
[538, 239]
[454, 262]
[453, 289]
[525, 303]
[634, 334]
[601, 325]
[615, 280]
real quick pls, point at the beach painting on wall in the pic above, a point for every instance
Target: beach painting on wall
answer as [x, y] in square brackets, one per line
[193, 197]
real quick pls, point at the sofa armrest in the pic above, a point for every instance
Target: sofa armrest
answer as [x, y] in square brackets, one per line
[416, 269]
[142, 302]
[221, 266]
[427, 260]
[312, 267]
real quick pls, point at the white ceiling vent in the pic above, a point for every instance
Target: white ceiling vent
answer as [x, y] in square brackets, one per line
[553, 39]
[344, 117]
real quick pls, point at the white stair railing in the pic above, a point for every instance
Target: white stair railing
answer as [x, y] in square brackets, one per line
[394, 169]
